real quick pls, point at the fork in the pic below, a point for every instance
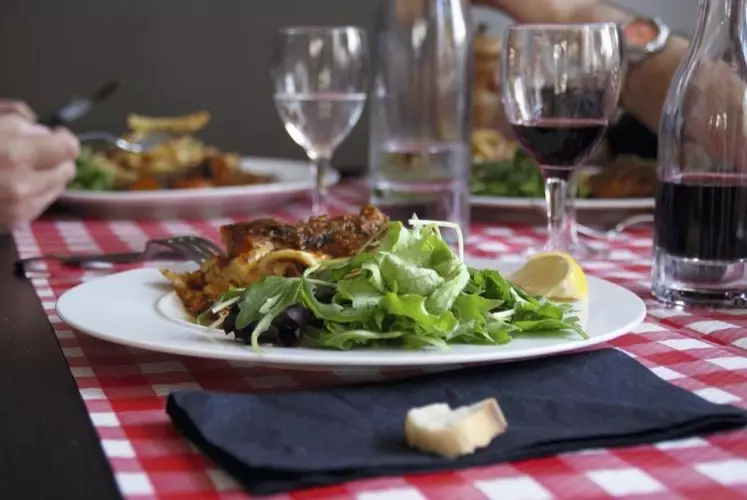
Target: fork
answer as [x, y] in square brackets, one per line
[620, 228]
[191, 248]
[142, 146]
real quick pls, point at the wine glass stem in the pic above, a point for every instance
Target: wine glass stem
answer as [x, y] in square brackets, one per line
[570, 210]
[319, 167]
[556, 195]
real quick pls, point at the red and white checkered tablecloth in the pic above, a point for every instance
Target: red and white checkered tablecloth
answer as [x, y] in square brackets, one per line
[125, 389]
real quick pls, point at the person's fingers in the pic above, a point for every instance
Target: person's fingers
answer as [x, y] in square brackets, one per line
[39, 151]
[35, 129]
[51, 180]
[27, 212]
[20, 108]
[12, 124]
[43, 201]
[28, 196]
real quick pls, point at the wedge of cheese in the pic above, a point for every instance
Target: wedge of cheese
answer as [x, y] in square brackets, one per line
[452, 433]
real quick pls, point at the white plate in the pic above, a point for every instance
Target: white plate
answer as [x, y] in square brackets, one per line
[621, 204]
[612, 204]
[294, 178]
[135, 309]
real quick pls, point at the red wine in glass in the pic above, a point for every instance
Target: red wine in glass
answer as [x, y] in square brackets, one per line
[701, 235]
[703, 217]
[558, 145]
[560, 85]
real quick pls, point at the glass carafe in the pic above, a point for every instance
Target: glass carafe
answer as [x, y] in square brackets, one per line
[701, 204]
[420, 110]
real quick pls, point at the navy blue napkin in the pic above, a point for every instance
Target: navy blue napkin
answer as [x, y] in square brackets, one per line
[277, 442]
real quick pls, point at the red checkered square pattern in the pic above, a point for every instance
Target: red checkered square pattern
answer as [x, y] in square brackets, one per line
[125, 389]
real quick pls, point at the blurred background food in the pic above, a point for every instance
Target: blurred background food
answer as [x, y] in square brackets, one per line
[182, 161]
[500, 168]
[171, 54]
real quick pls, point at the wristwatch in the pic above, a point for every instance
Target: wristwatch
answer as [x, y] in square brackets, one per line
[644, 37]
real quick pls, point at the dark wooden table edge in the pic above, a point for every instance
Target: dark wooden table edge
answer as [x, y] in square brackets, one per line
[49, 448]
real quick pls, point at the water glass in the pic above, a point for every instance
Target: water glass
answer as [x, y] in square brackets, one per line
[320, 77]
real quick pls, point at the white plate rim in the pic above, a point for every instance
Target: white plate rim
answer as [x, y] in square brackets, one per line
[593, 204]
[580, 204]
[294, 175]
[300, 358]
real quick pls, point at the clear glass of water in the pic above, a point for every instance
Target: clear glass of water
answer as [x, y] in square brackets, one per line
[320, 77]
[420, 110]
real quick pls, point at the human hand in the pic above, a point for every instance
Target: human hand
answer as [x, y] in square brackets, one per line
[36, 164]
[540, 11]
[20, 108]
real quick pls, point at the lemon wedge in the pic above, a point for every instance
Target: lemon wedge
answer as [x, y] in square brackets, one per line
[554, 275]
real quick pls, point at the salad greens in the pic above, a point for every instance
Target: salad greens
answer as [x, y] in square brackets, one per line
[410, 290]
[90, 175]
[518, 177]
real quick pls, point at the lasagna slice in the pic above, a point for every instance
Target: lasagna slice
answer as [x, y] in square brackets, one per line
[266, 247]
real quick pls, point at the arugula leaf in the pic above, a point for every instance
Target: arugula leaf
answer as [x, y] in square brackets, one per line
[264, 296]
[348, 339]
[360, 291]
[413, 307]
[331, 312]
[492, 285]
[403, 277]
[475, 308]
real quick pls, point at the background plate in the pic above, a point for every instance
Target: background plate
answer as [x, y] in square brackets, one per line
[294, 179]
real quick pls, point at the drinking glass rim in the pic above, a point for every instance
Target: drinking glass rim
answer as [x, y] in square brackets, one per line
[312, 29]
[561, 26]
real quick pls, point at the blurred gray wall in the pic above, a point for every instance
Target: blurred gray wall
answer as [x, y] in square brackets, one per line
[179, 56]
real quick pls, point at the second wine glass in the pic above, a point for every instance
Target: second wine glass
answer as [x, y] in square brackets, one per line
[561, 84]
[320, 77]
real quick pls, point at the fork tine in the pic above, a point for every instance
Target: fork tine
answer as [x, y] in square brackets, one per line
[194, 252]
[193, 248]
[204, 252]
[211, 246]
[179, 247]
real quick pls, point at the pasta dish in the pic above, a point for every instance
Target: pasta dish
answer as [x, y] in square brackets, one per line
[179, 161]
[359, 280]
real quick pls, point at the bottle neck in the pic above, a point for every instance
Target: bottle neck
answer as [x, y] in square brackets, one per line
[723, 18]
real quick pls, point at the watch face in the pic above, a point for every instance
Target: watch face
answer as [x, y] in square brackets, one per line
[640, 32]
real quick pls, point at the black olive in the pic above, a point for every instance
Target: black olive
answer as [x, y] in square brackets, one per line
[324, 294]
[285, 324]
[387, 323]
[289, 324]
[229, 322]
[288, 338]
[298, 314]
[245, 334]
[269, 336]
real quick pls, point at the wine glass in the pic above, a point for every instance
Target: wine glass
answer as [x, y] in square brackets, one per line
[320, 76]
[561, 85]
